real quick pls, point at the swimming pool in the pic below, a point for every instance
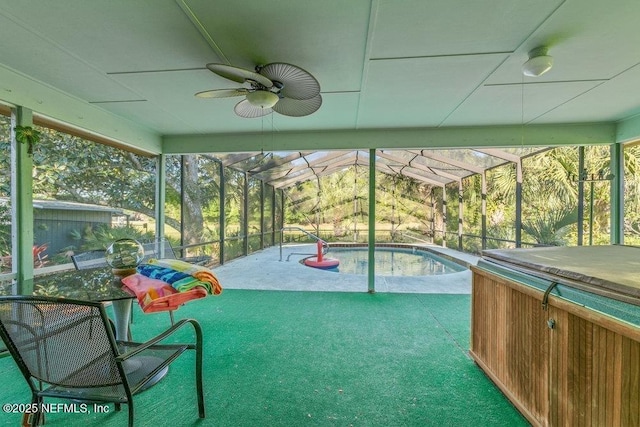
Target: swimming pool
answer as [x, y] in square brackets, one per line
[393, 261]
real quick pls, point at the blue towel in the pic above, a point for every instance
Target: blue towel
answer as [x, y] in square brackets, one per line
[167, 275]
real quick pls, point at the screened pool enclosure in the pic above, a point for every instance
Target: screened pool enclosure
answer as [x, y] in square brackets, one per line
[227, 205]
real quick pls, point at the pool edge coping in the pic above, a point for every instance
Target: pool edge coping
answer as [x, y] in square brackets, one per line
[431, 249]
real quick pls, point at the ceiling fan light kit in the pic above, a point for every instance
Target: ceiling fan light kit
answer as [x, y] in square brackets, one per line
[539, 62]
[262, 98]
[284, 88]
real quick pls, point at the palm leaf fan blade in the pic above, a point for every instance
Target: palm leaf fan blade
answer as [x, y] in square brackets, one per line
[297, 107]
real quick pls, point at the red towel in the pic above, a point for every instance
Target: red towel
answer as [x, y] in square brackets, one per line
[155, 295]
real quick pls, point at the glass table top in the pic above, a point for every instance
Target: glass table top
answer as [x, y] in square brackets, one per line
[95, 284]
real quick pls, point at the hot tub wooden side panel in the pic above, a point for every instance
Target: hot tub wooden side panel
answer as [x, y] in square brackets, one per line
[585, 370]
[509, 341]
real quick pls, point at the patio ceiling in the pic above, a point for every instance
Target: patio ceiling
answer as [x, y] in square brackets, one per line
[128, 70]
[413, 76]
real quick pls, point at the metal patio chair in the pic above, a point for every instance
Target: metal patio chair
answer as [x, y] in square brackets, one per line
[163, 249]
[65, 349]
[90, 259]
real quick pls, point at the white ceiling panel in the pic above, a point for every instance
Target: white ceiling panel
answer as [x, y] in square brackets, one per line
[495, 104]
[420, 91]
[606, 102]
[116, 35]
[49, 62]
[428, 28]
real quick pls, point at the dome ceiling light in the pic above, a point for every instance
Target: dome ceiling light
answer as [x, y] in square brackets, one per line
[539, 62]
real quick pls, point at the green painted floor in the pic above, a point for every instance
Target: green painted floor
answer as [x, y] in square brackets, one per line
[313, 358]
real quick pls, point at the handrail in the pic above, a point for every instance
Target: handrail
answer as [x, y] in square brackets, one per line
[325, 245]
[410, 236]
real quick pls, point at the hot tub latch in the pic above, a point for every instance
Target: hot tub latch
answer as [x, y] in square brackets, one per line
[545, 298]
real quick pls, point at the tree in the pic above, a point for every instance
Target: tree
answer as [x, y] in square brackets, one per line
[70, 168]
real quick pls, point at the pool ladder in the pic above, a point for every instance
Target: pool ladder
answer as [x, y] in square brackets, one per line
[325, 245]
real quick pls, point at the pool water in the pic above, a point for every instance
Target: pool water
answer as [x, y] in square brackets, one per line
[393, 262]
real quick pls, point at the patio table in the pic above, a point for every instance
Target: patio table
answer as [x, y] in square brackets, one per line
[98, 285]
[95, 284]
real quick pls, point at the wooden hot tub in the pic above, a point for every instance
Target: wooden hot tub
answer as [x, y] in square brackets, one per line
[558, 330]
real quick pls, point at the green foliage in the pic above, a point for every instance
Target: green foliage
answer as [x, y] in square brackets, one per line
[5, 229]
[27, 135]
[100, 237]
[67, 167]
[550, 226]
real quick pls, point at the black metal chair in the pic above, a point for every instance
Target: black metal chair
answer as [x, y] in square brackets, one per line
[163, 249]
[90, 259]
[65, 349]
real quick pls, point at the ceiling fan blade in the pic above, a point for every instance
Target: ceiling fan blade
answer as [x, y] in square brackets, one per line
[222, 93]
[298, 107]
[248, 111]
[239, 75]
[298, 83]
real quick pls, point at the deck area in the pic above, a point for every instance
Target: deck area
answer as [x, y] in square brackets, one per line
[320, 352]
[264, 270]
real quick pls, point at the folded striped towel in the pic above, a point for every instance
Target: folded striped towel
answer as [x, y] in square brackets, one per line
[155, 295]
[182, 275]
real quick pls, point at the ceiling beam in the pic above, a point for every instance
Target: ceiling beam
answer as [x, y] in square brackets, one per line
[422, 178]
[280, 172]
[277, 161]
[414, 138]
[452, 162]
[500, 154]
[232, 159]
[290, 181]
[416, 165]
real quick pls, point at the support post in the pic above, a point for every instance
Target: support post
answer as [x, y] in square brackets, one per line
[161, 182]
[580, 195]
[22, 236]
[484, 209]
[371, 273]
[460, 215]
[183, 188]
[282, 206]
[444, 216]
[355, 204]
[245, 215]
[222, 212]
[518, 224]
[273, 214]
[617, 194]
[433, 216]
[262, 224]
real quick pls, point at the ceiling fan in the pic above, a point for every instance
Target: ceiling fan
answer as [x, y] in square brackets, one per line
[279, 87]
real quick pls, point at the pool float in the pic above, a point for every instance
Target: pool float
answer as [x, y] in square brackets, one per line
[319, 261]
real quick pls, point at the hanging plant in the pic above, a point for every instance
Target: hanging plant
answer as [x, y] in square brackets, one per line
[27, 135]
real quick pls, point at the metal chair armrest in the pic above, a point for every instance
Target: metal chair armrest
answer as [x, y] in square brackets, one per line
[140, 347]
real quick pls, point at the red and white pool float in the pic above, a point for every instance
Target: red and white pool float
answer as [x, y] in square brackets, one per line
[320, 261]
